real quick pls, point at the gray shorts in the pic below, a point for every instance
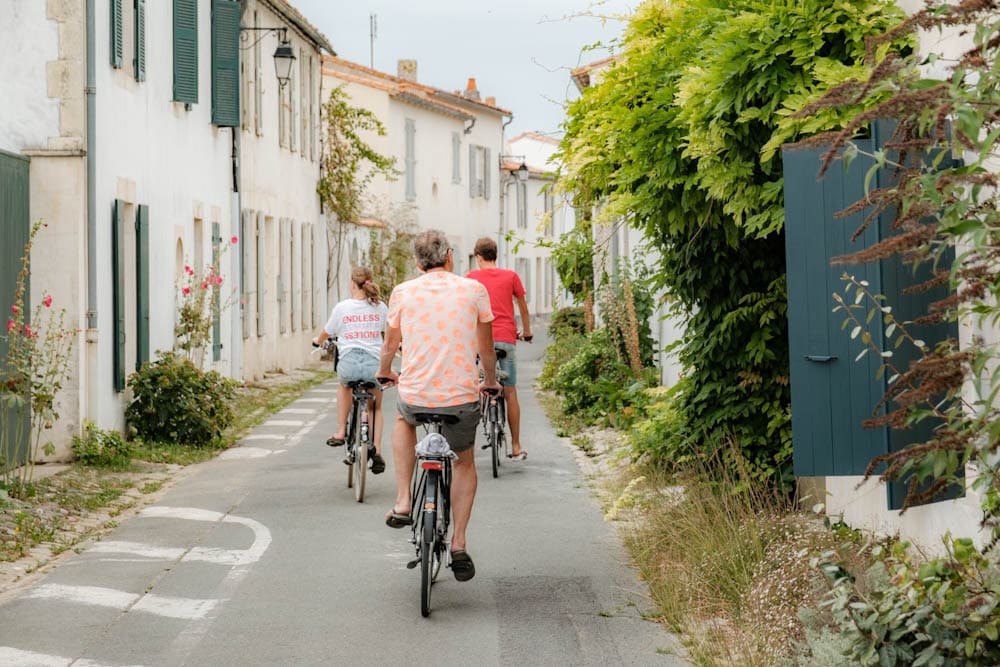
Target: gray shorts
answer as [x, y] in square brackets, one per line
[462, 435]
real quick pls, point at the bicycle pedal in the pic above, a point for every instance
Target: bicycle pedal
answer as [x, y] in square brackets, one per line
[412, 564]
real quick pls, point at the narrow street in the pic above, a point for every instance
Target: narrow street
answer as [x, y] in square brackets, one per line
[263, 557]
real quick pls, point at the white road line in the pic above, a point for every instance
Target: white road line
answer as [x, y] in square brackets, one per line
[145, 551]
[13, 656]
[172, 607]
[262, 536]
[283, 422]
[298, 411]
[265, 436]
[313, 400]
[247, 453]
[323, 391]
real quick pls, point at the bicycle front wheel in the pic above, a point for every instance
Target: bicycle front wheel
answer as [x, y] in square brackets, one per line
[360, 463]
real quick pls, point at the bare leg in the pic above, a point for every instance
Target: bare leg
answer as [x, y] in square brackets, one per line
[377, 417]
[344, 399]
[513, 418]
[404, 456]
[463, 492]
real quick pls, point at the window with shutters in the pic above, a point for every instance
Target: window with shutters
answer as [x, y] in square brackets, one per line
[117, 32]
[186, 51]
[521, 199]
[139, 40]
[142, 285]
[456, 157]
[410, 161]
[294, 274]
[264, 227]
[293, 110]
[478, 156]
[225, 63]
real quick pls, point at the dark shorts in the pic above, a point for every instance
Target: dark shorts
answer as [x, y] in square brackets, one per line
[462, 435]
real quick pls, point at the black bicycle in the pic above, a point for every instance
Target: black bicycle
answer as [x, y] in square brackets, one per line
[359, 446]
[431, 493]
[493, 407]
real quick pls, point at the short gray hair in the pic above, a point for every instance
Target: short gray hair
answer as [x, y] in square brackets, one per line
[430, 249]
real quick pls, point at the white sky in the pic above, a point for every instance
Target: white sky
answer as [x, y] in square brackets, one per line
[519, 51]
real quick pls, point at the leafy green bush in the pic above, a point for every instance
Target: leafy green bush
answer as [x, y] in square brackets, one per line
[102, 449]
[175, 401]
[945, 611]
[567, 322]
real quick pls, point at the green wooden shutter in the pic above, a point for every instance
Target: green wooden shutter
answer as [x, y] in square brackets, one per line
[410, 160]
[117, 43]
[473, 190]
[142, 285]
[216, 305]
[140, 40]
[186, 51]
[225, 63]
[487, 172]
[118, 292]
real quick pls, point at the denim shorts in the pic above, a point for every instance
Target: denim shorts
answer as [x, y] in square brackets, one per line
[460, 436]
[508, 364]
[356, 364]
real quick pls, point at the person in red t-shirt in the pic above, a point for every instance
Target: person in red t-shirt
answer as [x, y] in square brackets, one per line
[505, 288]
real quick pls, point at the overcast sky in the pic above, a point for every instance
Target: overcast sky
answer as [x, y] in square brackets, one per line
[519, 51]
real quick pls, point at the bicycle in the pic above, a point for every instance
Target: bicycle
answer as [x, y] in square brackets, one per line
[359, 441]
[493, 407]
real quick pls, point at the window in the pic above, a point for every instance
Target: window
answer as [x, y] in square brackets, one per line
[479, 171]
[225, 63]
[410, 160]
[521, 200]
[186, 51]
[456, 157]
[117, 34]
[139, 41]
[523, 269]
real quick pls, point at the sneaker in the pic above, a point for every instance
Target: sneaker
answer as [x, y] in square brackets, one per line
[519, 457]
[378, 463]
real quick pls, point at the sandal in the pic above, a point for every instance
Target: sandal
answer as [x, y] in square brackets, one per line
[378, 463]
[334, 441]
[395, 520]
[462, 565]
[520, 456]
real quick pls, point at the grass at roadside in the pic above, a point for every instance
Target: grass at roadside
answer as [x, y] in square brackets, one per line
[727, 561]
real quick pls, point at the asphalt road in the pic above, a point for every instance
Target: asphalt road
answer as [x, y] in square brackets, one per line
[263, 557]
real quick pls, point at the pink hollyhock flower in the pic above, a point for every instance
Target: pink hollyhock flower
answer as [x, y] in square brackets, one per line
[27, 331]
[14, 309]
[204, 285]
[218, 280]
[186, 291]
[11, 324]
[188, 269]
[234, 240]
[47, 301]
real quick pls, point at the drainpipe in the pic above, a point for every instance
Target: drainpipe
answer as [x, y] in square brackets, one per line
[504, 182]
[90, 409]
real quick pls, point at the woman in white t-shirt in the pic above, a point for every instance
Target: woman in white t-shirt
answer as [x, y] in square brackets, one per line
[358, 324]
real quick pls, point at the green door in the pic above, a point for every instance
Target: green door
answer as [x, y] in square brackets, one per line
[832, 393]
[14, 230]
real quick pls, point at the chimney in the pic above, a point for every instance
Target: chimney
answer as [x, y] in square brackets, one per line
[471, 92]
[406, 69]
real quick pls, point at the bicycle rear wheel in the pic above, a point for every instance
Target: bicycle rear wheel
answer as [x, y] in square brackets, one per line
[492, 438]
[428, 556]
[350, 449]
[360, 461]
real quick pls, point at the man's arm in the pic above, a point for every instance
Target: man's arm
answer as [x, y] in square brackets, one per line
[487, 355]
[393, 337]
[522, 306]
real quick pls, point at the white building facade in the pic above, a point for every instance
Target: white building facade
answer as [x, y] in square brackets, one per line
[129, 113]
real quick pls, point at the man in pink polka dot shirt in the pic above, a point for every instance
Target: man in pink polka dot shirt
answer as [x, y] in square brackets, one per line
[442, 321]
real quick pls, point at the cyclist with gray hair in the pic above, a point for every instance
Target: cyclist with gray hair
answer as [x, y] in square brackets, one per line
[444, 321]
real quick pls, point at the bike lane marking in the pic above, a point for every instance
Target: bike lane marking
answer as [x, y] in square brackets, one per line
[187, 609]
[13, 656]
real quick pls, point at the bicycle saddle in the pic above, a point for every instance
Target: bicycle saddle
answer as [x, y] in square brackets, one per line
[362, 384]
[434, 418]
[501, 354]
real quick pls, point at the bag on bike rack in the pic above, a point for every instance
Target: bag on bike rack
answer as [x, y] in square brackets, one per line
[434, 444]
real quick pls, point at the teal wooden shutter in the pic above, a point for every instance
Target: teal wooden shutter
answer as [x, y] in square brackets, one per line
[473, 190]
[186, 51]
[118, 292]
[411, 163]
[142, 285]
[117, 43]
[140, 40]
[487, 171]
[216, 289]
[225, 63]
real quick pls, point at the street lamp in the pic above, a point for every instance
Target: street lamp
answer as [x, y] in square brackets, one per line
[284, 55]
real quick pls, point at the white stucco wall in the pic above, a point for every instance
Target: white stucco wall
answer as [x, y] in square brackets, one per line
[30, 43]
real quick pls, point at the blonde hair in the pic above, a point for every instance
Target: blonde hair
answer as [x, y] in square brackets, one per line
[362, 277]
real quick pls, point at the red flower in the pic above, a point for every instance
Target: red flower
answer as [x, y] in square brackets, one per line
[14, 309]
[186, 290]
[219, 280]
[47, 301]
[11, 324]
[204, 285]
[234, 240]
[27, 331]
[187, 268]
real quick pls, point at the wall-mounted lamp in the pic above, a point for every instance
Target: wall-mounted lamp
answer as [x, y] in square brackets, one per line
[522, 172]
[284, 55]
